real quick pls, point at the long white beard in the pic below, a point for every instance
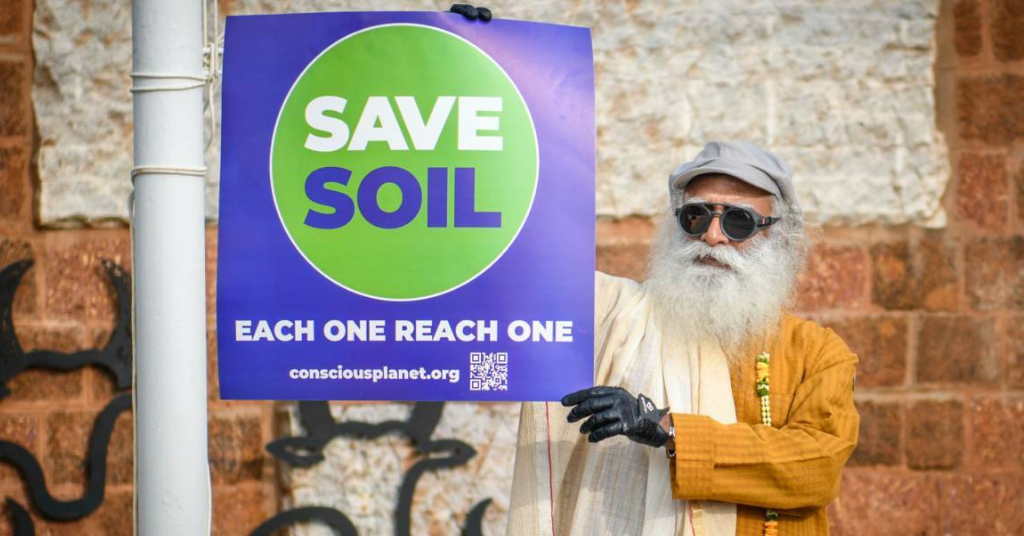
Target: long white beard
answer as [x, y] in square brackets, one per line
[730, 307]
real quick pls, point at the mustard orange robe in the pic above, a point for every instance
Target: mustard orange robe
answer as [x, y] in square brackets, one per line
[792, 466]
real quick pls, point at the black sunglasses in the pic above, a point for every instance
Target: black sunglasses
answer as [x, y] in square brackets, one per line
[738, 223]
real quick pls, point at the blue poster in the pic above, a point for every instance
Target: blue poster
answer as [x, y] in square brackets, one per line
[406, 208]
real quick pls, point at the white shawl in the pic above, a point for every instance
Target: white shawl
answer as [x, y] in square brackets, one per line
[564, 485]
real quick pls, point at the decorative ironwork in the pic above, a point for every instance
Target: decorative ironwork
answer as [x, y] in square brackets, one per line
[95, 468]
[300, 451]
[329, 516]
[116, 356]
[321, 428]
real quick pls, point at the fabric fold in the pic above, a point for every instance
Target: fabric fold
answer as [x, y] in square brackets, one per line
[564, 486]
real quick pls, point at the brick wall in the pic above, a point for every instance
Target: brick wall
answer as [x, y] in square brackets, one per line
[936, 315]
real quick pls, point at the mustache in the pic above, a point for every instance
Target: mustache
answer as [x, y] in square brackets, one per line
[693, 251]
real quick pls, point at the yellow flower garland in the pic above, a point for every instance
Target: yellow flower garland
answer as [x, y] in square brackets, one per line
[771, 518]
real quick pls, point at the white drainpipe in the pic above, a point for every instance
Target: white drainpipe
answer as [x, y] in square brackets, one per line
[172, 495]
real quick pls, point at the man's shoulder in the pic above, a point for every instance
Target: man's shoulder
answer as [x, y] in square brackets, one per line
[809, 338]
[798, 329]
[610, 288]
[603, 279]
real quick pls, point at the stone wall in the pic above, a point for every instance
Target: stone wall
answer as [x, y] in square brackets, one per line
[936, 316]
[842, 90]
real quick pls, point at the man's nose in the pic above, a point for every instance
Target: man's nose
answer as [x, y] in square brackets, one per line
[714, 235]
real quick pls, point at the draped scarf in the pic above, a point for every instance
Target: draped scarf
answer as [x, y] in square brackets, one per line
[563, 485]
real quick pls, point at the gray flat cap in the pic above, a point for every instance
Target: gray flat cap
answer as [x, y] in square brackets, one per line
[743, 160]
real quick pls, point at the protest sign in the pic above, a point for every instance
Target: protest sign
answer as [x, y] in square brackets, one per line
[407, 208]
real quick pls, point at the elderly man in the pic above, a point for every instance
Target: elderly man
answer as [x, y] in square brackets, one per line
[757, 414]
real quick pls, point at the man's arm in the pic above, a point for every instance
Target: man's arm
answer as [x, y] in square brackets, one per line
[791, 468]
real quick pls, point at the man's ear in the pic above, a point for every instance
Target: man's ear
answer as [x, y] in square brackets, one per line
[472, 13]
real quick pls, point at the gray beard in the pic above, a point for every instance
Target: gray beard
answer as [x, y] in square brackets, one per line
[729, 307]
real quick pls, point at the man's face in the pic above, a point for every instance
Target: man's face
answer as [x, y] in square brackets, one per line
[709, 287]
[726, 190]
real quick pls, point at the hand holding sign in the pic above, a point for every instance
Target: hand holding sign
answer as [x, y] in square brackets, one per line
[613, 411]
[472, 13]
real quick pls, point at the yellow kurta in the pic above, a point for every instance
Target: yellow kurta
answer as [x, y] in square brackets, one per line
[792, 466]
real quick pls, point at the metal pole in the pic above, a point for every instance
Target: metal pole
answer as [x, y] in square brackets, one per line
[171, 465]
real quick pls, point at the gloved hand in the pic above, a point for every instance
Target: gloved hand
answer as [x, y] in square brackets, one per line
[471, 13]
[614, 411]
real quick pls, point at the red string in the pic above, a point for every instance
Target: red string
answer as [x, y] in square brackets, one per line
[551, 481]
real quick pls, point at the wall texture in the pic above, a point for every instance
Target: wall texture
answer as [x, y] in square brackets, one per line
[842, 90]
[936, 316]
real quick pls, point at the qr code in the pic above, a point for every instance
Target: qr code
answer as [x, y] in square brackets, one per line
[488, 371]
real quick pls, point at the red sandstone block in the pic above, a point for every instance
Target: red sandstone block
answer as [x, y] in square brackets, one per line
[887, 503]
[881, 425]
[58, 337]
[39, 385]
[238, 510]
[236, 448]
[935, 434]
[114, 517]
[99, 384]
[987, 505]
[995, 273]
[213, 377]
[835, 277]
[631, 229]
[957, 349]
[26, 297]
[881, 343]
[967, 28]
[997, 425]
[76, 284]
[121, 453]
[63, 459]
[211, 271]
[212, 374]
[15, 193]
[991, 108]
[22, 429]
[12, 17]
[1007, 29]
[937, 284]
[14, 114]
[1014, 339]
[909, 275]
[624, 260]
[1018, 182]
[623, 246]
[983, 191]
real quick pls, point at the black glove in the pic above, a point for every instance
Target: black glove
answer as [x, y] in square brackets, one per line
[615, 412]
[472, 13]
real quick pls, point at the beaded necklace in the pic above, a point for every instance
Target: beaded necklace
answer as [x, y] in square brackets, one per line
[771, 518]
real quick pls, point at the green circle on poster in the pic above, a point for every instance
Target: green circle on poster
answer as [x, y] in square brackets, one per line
[404, 162]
